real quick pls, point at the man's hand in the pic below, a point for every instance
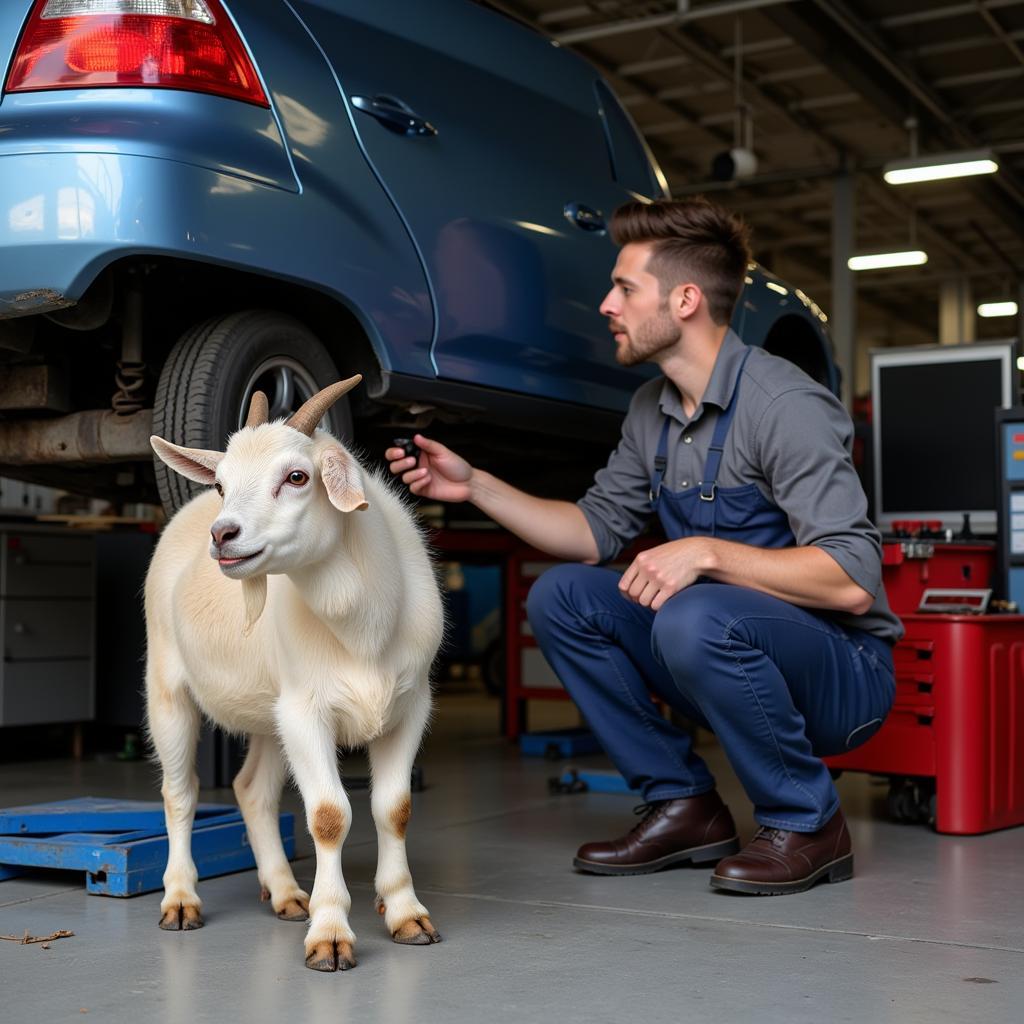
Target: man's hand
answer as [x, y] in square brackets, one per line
[441, 474]
[659, 573]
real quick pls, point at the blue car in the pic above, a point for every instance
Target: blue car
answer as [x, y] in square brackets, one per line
[204, 197]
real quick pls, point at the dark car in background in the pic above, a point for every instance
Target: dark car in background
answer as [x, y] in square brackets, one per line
[203, 197]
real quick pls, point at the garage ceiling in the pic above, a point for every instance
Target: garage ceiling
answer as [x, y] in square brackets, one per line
[831, 84]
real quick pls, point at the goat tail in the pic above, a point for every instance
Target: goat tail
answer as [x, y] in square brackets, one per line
[254, 593]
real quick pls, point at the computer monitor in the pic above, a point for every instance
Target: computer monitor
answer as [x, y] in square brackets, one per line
[934, 441]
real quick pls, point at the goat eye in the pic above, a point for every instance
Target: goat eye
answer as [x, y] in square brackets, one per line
[297, 477]
[219, 489]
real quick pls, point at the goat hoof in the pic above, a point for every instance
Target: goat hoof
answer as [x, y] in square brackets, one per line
[182, 918]
[294, 910]
[417, 932]
[331, 956]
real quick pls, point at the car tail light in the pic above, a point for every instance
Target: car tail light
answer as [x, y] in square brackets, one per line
[164, 44]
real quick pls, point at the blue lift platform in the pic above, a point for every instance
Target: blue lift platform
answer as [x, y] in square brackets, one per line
[585, 780]
[121, 845]
[555, 744]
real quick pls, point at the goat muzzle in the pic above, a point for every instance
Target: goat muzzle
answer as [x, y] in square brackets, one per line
[224, 530]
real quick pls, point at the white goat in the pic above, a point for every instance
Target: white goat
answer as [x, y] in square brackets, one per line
[334, 648]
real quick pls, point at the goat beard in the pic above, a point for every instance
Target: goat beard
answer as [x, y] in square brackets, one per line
[254, 593]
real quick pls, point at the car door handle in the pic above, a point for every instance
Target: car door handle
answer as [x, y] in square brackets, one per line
[395, 115]
[585, 217]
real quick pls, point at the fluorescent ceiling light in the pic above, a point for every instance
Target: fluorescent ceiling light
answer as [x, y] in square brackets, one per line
[997, 309]
[881, 260]
[936, 166]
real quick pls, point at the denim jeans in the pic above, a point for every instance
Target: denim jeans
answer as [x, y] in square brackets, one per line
[780, 686]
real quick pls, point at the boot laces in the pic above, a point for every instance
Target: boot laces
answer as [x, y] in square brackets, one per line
[650, 810]
[770, 835]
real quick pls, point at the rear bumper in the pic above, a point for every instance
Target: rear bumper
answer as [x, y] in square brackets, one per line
[65, 216]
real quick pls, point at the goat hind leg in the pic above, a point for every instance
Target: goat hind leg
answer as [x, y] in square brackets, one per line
[391, 761]
[258, 792]
[174, 727]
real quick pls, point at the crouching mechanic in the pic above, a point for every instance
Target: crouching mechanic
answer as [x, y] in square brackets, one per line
[762, 618]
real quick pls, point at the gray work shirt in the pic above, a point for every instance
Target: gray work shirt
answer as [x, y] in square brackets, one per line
[790, 436]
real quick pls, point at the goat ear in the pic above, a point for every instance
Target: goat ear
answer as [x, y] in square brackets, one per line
[194, 463]
[343, 480]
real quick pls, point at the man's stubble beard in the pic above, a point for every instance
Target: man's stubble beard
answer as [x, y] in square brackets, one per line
[652, 336]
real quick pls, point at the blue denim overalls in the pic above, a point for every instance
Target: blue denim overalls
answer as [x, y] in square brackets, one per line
[779, 685]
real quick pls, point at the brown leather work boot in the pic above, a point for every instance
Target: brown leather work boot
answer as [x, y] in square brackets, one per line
[698, 829]
[776, 862]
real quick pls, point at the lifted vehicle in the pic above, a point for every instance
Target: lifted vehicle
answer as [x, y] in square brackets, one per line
[201, 198]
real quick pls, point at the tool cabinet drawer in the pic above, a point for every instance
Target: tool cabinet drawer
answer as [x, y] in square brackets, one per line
[905, 745]
[46, 629]
[46, 565]
[39, 692]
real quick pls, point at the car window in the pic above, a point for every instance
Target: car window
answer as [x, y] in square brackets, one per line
[633, 167]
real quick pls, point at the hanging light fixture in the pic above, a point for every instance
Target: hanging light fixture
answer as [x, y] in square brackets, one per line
[883, 260]
[918, 167]
[909, 257]
[939, 166]
[740, 161]
[990, 309]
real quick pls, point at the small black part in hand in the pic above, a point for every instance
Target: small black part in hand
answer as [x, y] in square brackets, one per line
[408, 446]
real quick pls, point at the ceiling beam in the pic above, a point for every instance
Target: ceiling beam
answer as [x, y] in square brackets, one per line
[885, 79]
[946, 11]
[677, 17]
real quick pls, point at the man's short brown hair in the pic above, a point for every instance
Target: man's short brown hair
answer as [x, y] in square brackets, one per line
[693, 240]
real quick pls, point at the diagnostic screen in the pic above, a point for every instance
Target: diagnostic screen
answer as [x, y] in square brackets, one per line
[937, 445]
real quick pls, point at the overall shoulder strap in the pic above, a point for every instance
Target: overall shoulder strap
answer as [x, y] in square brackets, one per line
[717, 446]
[660, 463]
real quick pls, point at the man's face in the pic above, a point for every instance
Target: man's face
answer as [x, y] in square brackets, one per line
[638, 314]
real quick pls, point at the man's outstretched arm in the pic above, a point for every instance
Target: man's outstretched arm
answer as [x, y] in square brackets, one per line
[556, 527]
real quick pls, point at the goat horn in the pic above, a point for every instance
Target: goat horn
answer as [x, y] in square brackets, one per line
[314, 410]
[259, 410]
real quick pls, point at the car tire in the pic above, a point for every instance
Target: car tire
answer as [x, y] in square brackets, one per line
[209, 376]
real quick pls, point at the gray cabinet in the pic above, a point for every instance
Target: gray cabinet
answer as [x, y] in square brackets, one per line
[47, 624]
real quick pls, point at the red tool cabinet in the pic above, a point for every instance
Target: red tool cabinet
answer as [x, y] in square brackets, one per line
[911, 567]
[958, 720]
[953, 744]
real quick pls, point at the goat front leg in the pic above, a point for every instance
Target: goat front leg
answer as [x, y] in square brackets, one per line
[391, 761]
[312, 754]
[174, 727]
[258, 792]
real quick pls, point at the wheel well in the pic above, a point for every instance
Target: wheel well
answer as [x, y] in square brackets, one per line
[178, 294]
[793, 338]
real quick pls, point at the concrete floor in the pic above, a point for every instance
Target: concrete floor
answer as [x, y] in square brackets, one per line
[930, 929]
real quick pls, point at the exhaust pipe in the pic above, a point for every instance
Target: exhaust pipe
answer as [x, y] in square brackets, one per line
[83, 437]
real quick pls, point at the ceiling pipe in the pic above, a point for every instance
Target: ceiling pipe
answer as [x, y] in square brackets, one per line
[620, 28]
[938, 13]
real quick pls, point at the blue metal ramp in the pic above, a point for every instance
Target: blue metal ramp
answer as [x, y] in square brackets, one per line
[121, 845]
[558, 743]
[579, 780]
